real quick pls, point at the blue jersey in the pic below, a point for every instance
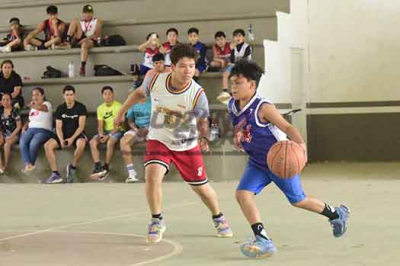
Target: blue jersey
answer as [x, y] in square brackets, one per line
[258, 136]
[140, 113]
[201, 63]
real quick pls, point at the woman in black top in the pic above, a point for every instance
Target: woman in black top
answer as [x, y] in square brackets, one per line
[11, 82]
[10, 126]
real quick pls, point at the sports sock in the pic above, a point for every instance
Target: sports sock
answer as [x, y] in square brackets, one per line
[219, 215]
[259, 230]
[157, 216]
[330, 212]
[131, 170]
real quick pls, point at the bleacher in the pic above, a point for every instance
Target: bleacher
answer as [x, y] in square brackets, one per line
[133, 20]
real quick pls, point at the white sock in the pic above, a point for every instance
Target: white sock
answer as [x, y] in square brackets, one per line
[131, 170]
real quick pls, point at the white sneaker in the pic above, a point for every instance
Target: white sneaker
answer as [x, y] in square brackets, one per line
[5, 49]
[131, 179]
[30, 48]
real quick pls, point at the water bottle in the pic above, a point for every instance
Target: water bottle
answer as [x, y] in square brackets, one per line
[71, 70]
[250, 32]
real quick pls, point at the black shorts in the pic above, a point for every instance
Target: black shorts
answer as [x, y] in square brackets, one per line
[75, 43]
[81, 136]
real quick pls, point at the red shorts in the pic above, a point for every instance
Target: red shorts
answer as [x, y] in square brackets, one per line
[189, 163]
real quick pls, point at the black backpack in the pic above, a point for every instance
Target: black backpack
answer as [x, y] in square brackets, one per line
[114, 40]
[51, 72]
[104, 70]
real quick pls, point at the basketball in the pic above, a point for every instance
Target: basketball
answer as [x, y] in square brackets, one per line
[286, 159]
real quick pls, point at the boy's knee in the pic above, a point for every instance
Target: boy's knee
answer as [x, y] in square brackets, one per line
[298, 204]
[48, 146]
[93, 143]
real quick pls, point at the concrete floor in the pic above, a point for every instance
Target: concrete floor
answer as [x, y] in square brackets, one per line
[35, 214]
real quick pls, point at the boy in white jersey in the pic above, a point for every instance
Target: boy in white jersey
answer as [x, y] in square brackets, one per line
[178, 133]
[84, 33]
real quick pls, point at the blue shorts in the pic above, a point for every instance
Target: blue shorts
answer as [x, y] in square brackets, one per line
[143, 70]
[117, 135]
[201, 68]
[254, 179]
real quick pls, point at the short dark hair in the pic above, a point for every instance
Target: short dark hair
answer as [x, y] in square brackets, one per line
[107, 88]
[183, 50]
[172, 30]
[69, 88]
[14, 20]
[239, 31]
[5, 93]
[52, 10]
[7, 62]
[87, 9]
[248, 69]
[219, 34]
[193, 30]
[39, 89]
[158, 57]
[149, 35]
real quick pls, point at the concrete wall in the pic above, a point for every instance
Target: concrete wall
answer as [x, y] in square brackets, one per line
[351, 62]
[353, 50]
[31, 11]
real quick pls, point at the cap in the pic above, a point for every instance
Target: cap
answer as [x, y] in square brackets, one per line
[87, 9]
[14, 21]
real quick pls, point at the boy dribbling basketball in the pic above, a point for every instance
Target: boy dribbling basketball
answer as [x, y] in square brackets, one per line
[259, 125]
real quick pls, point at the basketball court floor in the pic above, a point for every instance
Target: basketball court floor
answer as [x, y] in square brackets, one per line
[105, 223]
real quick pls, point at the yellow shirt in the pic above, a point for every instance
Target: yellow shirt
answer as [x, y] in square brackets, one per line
[108, 113]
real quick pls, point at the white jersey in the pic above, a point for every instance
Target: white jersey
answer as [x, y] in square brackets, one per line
[89, 27]
[240, 54]
[173, 122]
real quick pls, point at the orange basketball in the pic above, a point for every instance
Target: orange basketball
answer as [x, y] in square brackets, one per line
[286, 159]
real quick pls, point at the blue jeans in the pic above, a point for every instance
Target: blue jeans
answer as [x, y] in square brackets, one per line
[30, 143]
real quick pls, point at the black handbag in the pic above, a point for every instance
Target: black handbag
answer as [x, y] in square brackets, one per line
[105, 70]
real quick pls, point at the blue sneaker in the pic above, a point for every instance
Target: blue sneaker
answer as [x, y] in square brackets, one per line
[259, 248]
[155, 230]
[222, 226]
[70, 173]
[54, 179]
[339, 225]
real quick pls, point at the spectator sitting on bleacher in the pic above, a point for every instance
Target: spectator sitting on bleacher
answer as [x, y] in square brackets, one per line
[159, 65]
[10, 127]
[53, 29]
[221, 52]
[37, 130]
[107, 133]
[172, 36]
[10, 82]
[138, 120]
[201, 65]
[240, 51]
[85, 33]
[70, 126]
[13, 40]
[150, 48]
[138, 117]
